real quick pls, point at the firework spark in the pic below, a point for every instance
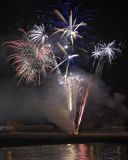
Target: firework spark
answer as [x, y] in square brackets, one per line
[83, 103]
[106, 50]
[67, 58]
[37, 35]
[71, 29]
[102, 52]
[30, 61]
[73, 87]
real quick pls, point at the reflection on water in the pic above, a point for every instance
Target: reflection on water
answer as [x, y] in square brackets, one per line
[66, 152]
[10, 155]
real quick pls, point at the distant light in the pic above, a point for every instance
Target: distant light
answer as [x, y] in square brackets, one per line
[66, 46]
[49, 45]
[72, 56]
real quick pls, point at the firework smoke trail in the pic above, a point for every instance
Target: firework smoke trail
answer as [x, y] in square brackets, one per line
[71, 29]
[83, 103]
[67, 58]
[104, 51]
[71, 83]
[69, 32]
[99, 68]
[73, 87]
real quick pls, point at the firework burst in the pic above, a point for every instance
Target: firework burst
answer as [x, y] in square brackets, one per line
[30, 61]
[104, 52]
[37, 35]
[71, 29]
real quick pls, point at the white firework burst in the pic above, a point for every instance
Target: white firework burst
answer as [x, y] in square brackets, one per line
[106, 50]
[37, 35]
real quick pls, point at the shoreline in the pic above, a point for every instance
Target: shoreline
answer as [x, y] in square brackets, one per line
[43, 138]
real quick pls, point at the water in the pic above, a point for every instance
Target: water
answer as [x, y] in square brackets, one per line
[66, 152]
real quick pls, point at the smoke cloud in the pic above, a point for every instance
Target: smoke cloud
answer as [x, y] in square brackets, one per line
[47, 102]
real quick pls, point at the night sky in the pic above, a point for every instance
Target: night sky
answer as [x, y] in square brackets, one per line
[110, 22]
